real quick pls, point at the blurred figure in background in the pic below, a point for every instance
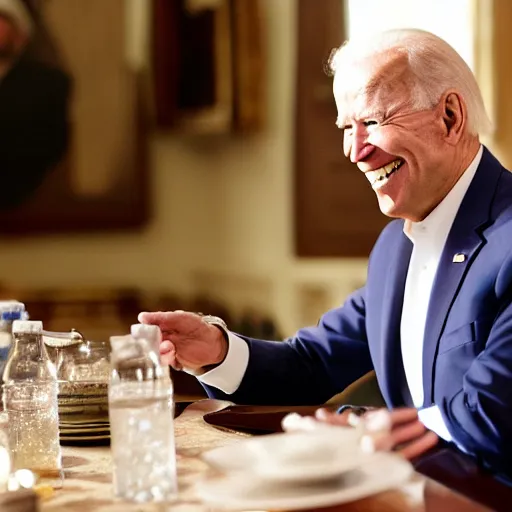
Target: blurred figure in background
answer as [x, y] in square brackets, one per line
[34, 99]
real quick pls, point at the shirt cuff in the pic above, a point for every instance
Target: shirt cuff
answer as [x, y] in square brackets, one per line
[432, 418]
[229, 374]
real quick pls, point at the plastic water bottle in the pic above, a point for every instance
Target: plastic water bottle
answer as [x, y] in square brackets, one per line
[141, 418]
[30, 400]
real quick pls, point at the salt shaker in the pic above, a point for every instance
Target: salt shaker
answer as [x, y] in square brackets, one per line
[141, 419]
[30, 400]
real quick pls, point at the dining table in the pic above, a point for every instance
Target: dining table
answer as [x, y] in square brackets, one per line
[443, 480]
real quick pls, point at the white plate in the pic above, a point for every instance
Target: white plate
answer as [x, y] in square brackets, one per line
[85, 430]
[237, 491]
[292, 456]
[92, 437]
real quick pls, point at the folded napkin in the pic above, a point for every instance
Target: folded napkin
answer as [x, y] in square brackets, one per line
[257, 419]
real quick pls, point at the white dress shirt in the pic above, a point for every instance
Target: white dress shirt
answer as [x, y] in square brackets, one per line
[428, 238]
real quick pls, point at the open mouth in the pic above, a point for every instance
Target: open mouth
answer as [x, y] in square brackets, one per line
[380, 176]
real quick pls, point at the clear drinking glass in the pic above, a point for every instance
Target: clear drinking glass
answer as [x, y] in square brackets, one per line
[30, 400]
[141, 419]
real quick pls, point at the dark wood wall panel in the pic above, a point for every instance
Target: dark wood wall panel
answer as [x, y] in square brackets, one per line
[336, 212]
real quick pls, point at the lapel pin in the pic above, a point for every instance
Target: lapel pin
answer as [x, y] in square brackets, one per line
[459, 258]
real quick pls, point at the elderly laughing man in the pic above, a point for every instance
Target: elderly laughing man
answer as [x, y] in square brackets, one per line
[435, 317]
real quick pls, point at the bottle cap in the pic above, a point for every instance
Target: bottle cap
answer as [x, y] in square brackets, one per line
[124, 348]
[11, 305]
[12, 310]
[151, 333]
[27, 326]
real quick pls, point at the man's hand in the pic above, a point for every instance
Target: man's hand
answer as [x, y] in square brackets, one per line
[187, 341]
[399, 430]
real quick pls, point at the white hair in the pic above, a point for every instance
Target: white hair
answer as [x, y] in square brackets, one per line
[435, 66]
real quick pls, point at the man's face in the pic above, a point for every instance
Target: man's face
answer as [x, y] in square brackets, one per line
[400, 149]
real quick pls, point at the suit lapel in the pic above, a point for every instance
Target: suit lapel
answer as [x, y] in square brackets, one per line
[392, 366]
[462, 245]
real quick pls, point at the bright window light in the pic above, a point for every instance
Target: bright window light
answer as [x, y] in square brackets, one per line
[450, 19]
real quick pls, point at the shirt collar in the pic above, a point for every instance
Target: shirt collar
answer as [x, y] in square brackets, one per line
[438, 223]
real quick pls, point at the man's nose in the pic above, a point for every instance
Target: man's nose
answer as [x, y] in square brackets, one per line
[360, 148]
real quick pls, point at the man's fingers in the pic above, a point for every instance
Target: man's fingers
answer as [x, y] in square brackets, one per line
[407, 432]
[332, 418]
[171, 321]
[169, 357]
[324, 415]
[403, 415]
[419, 446]
[409, 440]
[398, 430]
[146, 317]
[378, 421]
[166, 346]
[294, 422]
[383, 419]
[158, 317]
[162, 317]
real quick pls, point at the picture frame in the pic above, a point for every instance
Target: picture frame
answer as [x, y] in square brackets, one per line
[101, 182]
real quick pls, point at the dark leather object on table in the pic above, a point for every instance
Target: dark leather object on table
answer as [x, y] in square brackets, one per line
[257, 419]
[461, 473]
[179, 407]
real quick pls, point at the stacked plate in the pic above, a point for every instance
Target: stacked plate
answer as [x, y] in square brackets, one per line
[83, 413]
[85, 433]
[298, 471]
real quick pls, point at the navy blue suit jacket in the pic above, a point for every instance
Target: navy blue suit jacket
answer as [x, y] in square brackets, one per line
[467, 355]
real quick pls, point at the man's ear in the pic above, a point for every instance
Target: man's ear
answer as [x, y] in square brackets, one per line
[454, 116]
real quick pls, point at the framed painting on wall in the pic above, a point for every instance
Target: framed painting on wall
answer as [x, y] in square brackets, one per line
[75, 119]
[209, 66]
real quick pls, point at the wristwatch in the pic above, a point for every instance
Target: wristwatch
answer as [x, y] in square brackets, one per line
[218, 322]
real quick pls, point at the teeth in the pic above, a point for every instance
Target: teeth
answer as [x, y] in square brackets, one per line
[382, 172]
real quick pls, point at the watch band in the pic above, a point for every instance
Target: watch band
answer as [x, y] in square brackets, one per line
[218, 322]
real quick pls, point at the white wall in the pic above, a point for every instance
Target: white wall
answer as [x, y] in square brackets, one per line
[257, 191]
[223, 219]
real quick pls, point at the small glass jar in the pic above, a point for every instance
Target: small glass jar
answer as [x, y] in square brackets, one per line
[83, 372]
[88, 361]
[78, 359]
